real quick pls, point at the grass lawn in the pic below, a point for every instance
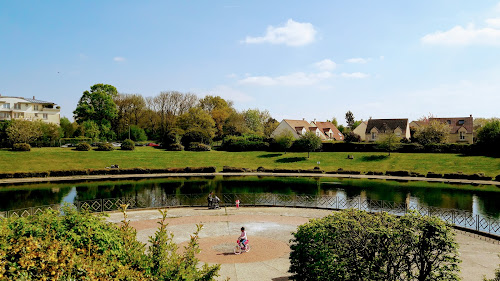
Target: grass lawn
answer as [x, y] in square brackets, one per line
[56, 158]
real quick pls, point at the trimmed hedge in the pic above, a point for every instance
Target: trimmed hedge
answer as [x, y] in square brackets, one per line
[127, 145]
[245, 143]
[21, 147]
[83, 146]
[198, 146]
[404, 148]
[105, 146]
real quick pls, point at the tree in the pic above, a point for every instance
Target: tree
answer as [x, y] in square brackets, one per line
[352, 137]
[489, 134]
[170, 105]
[309, 142]
[51, 133]
[219, 109]
[197, 118]
[285, 140]
[335, 122]
[68, 128]
[269, 127]
[235, 124]
[131, 109]
[357, 245]
[90, 129]
[22, 131]
[389, 142]
[97, 105]
[349, 119]
[435, 132]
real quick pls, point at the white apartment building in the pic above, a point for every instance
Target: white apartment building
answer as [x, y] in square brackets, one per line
[29, 109]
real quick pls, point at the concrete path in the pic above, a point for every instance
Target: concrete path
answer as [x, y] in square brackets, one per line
[269, 232]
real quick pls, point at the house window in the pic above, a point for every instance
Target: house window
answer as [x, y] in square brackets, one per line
[374, 135]
[4, 115]
[449, 122]
[462, 135]
[36, 114]
[35, 107]
[6, 105]
[18, 115]
[461, 122]
[45, 116]
[17, 106]
[398, 134]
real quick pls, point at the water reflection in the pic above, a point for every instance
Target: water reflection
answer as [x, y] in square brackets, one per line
[479, 200]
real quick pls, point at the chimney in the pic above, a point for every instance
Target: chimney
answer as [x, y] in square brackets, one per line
[303, 119]
[33, 97]
[470, 115]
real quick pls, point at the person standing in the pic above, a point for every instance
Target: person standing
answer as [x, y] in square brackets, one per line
[237, 204]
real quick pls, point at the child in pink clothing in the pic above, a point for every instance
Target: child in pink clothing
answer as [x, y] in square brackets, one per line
[243, 237]
[237, 203]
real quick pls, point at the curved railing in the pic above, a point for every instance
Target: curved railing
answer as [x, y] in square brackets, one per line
[463, 219]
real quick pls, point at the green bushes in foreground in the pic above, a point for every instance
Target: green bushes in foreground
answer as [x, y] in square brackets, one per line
[356, 245]
[21, 147]
[82, 246]
[128, 145]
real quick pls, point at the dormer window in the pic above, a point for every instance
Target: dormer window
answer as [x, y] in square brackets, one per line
[461, 122]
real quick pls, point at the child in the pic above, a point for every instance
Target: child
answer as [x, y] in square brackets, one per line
[243, 237]
[237, 204]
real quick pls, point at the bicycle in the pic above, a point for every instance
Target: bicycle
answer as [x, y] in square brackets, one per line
[238, 249]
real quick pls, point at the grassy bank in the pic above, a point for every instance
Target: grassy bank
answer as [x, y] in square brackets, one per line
[46, 159]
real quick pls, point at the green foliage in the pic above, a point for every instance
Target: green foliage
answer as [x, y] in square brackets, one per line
[434, 132]
[199, 120]
[97, 105]
[128, 145]
[389, 142]
[285, 140]
[90, 129]
[244, 143]
[352, 137]
[51, 133]
[349, 119]
[105, 146]
[74, 245]
[68, 128]
[170, 138]
[22, 131]
[308, 142]
[489, 134]
[137, 133]
[83, 146]
[175, 147]
[197, 146]
[356, 245]
[21, 147]
[196, 135]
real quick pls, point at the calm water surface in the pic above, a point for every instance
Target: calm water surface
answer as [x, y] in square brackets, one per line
[483, 200]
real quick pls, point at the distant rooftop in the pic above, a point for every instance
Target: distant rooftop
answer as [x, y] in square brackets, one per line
[33, 100]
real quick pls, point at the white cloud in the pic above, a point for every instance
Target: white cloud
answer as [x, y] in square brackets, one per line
[357, 75]
[494, 22]
[357, 60]
[461, 36]
[326, 65]
[119, 59]
[291, 34]
[294, 79]
[232, 75]
[226, 93]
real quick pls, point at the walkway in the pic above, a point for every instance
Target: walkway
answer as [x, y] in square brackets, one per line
[269, 231]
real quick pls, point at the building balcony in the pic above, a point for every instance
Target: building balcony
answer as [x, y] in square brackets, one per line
[54, 110]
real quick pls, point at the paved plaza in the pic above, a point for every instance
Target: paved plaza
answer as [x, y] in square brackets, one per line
[269, 231]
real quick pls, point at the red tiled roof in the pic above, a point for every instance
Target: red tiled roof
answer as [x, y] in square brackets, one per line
[325, 126]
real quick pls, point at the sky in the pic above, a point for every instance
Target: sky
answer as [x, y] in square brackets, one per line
[296, 59]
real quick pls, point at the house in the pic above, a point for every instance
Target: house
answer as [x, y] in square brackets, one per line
[29, 109]
[461, 128]
[330, 132]
[360, 130]
[376, 127]
[417, 124]
[297, 127]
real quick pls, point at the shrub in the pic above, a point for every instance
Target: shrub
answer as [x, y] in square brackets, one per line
[175, 147]
[433, 175]
[196, 135]
[356, 245]
[21, 147]
[72, 245]
[352, 137]
[196, 146]
[105, 146]
[83, 146]
[128, 145]
[244, 143]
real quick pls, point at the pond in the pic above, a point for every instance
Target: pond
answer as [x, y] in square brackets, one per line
[480, 200]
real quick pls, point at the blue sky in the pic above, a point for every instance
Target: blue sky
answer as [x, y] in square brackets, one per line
[313, 60]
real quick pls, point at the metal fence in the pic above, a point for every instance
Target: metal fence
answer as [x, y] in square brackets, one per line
[461, 218]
